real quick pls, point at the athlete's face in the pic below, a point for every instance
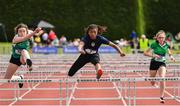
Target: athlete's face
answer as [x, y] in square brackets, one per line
[161, 38]
[22, 32]
[93, 33]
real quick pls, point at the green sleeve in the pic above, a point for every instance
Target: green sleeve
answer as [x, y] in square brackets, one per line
[152, 45]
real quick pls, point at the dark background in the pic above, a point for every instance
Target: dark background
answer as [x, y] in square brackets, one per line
[70, 17]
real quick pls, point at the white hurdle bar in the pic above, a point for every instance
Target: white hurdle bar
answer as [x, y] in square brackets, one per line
[69, 85]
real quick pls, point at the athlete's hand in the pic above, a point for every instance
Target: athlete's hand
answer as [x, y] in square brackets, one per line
[172, 58]
[122, 55]
[82, 51]
[156, 56]
[37, 30]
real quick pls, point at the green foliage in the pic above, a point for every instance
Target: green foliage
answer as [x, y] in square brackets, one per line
[162, 14]
[71, 16]
[5, 48]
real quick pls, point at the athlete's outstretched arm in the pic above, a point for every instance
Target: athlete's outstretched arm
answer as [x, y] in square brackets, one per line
[170, 55]
[81, 47]
[117, 48]
[150, 54]
[18, 39]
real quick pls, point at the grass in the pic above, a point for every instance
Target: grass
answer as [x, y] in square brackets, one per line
[5, 48]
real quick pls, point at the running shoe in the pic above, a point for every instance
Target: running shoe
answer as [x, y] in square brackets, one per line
[162, 100]
[29, 64]
[99, 74]
[21, 84]
[153, 83]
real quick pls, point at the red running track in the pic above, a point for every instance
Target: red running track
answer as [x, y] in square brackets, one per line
[84, 91]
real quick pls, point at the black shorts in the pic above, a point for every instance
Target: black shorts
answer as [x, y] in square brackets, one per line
[15, 61]
[82, 60]
[92, 58]
[154, 65]
[95, 58]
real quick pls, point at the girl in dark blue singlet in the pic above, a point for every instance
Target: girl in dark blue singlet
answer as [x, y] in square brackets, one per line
[88, 48]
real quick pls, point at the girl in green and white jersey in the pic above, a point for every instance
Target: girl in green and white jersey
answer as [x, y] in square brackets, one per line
[20, 53]
[158, 51]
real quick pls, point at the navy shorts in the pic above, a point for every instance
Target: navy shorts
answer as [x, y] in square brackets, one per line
[82, 60]
[94, 58]
[154, 65]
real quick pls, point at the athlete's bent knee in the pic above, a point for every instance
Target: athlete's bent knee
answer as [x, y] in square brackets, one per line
[70, 74]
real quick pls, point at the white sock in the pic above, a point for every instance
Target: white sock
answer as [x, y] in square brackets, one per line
[26, 54]
[15, 77]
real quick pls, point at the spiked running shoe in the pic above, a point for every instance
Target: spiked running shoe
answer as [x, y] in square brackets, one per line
[21, 84]
[99, 74]
[162, 100]
[29, 64]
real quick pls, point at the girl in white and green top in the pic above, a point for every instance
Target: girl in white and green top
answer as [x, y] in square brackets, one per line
[20, 53]
[158, 51]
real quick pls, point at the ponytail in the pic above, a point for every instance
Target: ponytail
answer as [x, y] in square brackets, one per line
[101, 29]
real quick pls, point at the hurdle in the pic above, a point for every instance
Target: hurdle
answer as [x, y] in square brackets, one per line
[68, 86]
[113, 66]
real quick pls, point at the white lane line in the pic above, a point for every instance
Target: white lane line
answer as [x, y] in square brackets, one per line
[72, 93]
[124, 102]
[171, 95]
[164, 90]
[27, 92]
[24, 94]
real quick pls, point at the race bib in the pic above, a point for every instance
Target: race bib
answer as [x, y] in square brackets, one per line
[18, 51]
[90, 51]
[161, 59]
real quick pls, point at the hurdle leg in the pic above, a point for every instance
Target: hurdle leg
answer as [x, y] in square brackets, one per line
[67, 98]
[129, 93]
[134, 82]
[60, 92]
